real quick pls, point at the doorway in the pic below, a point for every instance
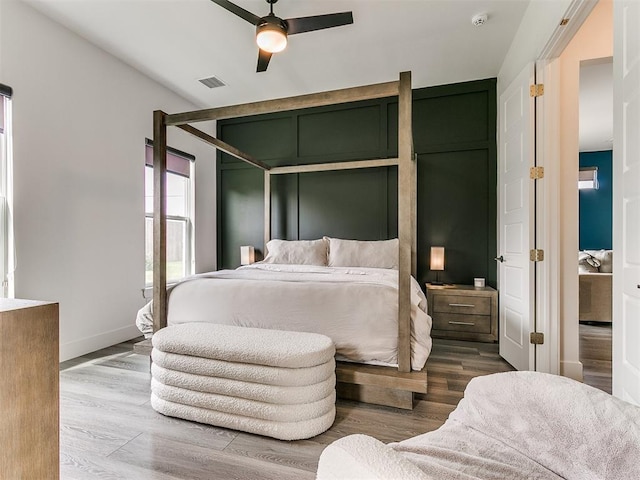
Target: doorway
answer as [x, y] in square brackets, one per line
[595, 220]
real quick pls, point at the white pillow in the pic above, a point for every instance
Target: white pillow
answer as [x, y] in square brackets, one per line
[606, 260]
[297, 252]
[587, 263]
[355, 253]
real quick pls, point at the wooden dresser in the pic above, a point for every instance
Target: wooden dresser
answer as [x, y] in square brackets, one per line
[463, 312]
[29, 390]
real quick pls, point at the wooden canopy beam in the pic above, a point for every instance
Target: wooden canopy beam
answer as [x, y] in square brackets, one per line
[332, 97]
[325, 167]
[225, 147]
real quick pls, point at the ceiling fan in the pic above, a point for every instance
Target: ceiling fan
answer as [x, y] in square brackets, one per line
[272, 31]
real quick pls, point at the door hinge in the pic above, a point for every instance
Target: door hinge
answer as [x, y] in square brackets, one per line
[536, 255]
[536, 338]
[536, 173]
[536, 90]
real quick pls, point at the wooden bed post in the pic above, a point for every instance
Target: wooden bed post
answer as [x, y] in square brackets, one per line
[406, 225]
[159, 221]
[267, 210]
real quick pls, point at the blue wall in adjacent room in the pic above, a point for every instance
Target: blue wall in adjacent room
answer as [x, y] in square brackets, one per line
[596, 205]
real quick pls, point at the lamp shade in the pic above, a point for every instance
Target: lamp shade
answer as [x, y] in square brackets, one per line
[437, 258]
[247, 255]
[271, 35]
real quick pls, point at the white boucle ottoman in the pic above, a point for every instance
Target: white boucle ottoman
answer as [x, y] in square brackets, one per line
[275, 383]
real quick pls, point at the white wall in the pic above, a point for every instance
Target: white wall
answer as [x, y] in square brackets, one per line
[80, 120]
[540, 20]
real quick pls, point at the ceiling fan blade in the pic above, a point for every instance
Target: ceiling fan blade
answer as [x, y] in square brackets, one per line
[263, 60]
[239, 11]
[318, 22]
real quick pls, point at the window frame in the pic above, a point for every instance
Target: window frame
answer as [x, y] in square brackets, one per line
[189, 220]
[7, 241]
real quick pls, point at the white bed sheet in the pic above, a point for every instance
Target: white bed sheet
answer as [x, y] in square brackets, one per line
[356, 307]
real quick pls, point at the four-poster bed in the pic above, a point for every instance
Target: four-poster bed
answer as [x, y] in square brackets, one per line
[368, 383]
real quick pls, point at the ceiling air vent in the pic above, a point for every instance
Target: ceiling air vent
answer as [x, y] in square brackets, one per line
[212, 82]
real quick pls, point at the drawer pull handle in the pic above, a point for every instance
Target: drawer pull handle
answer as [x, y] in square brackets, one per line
[471, 324]
[461, 305]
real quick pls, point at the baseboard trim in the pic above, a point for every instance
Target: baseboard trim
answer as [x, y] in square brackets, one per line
[572, 370]
[90, 344]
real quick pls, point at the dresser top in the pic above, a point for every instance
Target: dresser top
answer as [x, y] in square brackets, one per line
[9, 304]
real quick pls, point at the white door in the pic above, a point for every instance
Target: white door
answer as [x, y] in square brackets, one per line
[515, 221]
[626, 226]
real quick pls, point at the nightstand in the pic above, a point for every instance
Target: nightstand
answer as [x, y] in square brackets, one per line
[463, 312]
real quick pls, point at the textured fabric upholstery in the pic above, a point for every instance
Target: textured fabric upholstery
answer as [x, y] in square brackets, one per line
[595, 284]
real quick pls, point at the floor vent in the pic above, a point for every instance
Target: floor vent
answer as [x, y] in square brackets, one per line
[212, 82]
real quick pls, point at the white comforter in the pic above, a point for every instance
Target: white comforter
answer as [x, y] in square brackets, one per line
[356, 307]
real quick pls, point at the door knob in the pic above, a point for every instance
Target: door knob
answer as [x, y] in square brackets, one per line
[499, 259]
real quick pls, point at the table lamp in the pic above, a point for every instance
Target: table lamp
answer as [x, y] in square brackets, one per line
[247, 255]
[437, 263]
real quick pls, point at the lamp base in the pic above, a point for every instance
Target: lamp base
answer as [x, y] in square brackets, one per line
[437, 280]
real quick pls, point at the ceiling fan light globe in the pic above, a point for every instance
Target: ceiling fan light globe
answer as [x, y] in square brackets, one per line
[271, 39]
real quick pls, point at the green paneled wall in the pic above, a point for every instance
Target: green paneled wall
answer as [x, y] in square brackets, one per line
[330, 205]
[454, 130]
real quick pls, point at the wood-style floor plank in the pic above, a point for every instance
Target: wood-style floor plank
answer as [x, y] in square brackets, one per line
[109, 430]
[595, 354]
[300, 454]
[176, 458]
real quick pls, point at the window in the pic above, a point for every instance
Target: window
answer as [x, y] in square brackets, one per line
[179, 215]
[588, 178]
[7, 261]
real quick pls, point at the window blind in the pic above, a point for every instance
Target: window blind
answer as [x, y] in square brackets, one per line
[588, 178]
[177, 162]
[5, 91]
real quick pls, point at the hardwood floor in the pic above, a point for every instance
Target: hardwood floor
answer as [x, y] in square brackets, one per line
[595, 354]
[109, 430]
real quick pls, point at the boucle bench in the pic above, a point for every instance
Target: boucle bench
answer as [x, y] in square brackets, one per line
[275, 383]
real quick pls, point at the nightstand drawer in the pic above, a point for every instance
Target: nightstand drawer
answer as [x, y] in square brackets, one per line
[462, 323]
[464, 305]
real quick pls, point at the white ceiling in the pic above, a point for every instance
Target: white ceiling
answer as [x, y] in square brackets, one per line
[178, 42]
[596, 106]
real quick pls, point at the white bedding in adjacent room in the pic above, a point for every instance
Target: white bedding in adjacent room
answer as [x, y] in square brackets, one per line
[356, 307]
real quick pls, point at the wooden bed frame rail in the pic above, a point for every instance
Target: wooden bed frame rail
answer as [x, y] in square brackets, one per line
[407, 196]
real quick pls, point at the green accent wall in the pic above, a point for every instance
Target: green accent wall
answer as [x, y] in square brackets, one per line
[454, 131]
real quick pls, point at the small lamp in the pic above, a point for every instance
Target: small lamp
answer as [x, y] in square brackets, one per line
[437, 262]
[247, 255]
